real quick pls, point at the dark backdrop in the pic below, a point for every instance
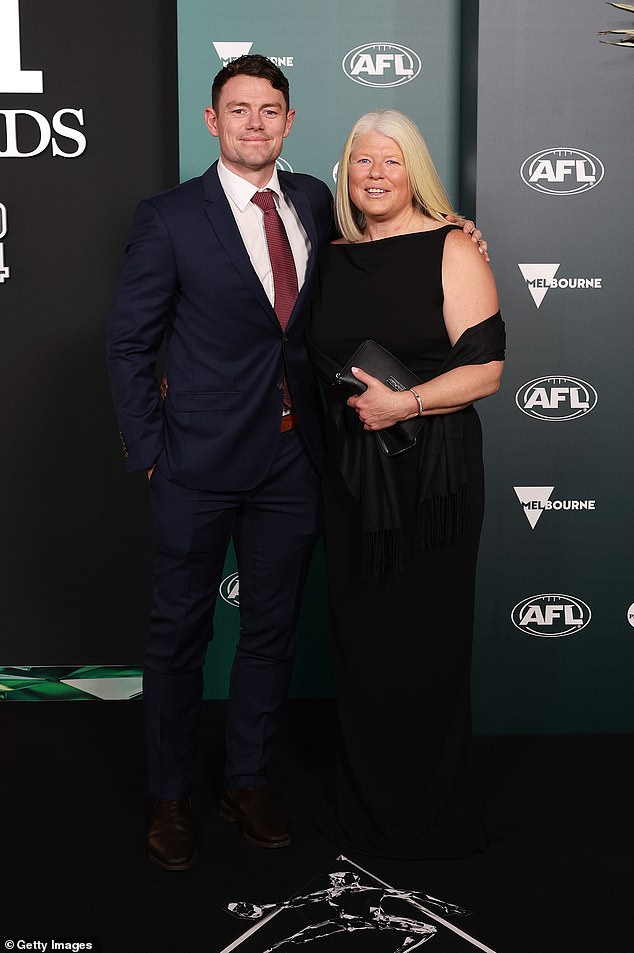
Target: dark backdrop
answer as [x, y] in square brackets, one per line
[70, 529]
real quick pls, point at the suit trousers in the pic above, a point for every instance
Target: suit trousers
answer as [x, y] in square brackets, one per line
[274, 527]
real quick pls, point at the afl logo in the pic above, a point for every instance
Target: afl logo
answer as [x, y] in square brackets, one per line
[551, 615]
[230, 589]
[381, 64]
[556, 398]
[283, 165]
[562, 171]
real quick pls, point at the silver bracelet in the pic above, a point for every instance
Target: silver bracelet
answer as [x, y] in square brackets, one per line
[418, 400]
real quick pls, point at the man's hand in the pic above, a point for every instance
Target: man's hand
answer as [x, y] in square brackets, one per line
[475, 234]
[150, 471]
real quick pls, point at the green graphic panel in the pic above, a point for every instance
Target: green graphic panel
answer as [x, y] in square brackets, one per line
[65, 683]
[310, 42]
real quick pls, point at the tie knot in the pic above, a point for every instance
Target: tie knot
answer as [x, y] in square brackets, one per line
[264, 200]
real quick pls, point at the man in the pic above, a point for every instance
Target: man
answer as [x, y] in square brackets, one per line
[233, 451]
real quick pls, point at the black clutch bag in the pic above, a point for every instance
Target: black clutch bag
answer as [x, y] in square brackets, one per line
[380, 363]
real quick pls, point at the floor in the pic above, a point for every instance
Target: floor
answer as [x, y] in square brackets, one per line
[74, 813]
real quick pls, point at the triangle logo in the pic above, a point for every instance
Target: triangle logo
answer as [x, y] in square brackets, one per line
[533, 500]
[231, 51]
[538, 279]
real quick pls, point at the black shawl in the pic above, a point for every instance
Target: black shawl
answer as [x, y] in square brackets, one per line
[442, 481]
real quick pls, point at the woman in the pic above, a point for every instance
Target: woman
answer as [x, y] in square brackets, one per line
[402, 531]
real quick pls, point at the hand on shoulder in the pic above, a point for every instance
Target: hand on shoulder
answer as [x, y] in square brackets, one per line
[470, 228]
[462, 252]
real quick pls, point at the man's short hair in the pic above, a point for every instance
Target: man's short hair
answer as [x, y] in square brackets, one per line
[252, 64]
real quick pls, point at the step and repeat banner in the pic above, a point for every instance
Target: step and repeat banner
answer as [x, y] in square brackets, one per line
[555, 641]
[93, 115]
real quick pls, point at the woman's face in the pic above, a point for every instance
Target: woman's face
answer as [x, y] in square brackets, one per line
[377, 177]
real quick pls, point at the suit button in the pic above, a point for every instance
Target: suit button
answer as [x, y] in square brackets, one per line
[285, 339]
[280, 385]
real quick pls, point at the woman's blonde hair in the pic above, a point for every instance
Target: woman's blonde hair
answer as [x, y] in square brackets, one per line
[428, 194]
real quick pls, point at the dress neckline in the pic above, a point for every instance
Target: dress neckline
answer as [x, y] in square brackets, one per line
[390, 238]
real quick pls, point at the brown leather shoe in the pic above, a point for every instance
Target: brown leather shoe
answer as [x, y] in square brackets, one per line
[260, 818]
[170, 839]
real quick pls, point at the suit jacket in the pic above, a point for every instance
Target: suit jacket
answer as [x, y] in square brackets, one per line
[188, 278]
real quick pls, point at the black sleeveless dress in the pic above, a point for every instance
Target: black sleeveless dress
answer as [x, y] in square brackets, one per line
[401, 643]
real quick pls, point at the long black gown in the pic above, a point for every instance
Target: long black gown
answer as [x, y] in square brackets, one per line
[401, 643]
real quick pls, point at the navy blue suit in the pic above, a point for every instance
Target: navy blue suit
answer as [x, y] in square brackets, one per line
[223, 469]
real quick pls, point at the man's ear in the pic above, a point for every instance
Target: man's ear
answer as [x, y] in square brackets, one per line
[211, 121]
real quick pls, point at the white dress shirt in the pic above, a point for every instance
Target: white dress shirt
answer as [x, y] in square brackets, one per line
[250, 221]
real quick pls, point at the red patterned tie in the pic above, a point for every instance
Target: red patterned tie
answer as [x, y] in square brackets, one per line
[282, 265]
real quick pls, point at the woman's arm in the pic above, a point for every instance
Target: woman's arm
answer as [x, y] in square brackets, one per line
[470, 297]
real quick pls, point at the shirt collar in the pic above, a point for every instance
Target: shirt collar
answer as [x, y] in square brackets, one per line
[240, 191]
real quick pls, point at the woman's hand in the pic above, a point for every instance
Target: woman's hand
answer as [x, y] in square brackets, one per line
[380, 406]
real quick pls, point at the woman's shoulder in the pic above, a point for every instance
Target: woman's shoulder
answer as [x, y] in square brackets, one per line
[459, 249]
[457, 237]
[465, 273]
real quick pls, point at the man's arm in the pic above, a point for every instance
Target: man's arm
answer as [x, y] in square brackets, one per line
[135, 332]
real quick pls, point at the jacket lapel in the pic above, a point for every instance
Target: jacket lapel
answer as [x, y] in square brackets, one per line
[221, 219]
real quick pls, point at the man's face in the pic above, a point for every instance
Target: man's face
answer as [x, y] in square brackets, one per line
[251, 124]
